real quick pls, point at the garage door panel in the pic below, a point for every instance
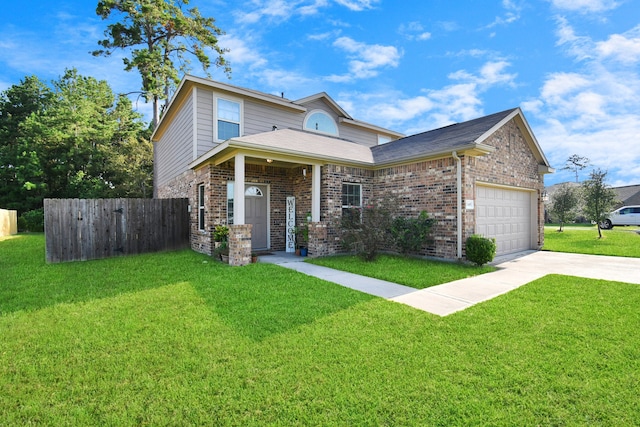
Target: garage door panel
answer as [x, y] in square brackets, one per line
[504, 214]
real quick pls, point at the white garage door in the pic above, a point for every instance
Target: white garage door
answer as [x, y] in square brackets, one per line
[506, 215]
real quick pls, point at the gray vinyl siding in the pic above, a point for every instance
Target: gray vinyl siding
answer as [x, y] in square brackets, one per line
[175, 148]
[260, 117]
[205, 121]
[360, 136]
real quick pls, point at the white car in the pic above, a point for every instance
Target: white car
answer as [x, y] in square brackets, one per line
[626, 215]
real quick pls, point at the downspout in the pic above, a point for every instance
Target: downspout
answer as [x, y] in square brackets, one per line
[454, 154]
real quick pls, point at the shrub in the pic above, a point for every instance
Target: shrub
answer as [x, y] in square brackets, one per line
[409, 234]
[32, 220]
[480, 250]
[366, 232]
[220, 233]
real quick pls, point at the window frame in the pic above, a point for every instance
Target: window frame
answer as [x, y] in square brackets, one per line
[318, 111]
[218, 119]
[346, 207]
[201, 207]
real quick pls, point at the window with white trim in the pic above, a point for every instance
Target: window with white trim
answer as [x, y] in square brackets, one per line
[201, 207]
[319, 121]
[351, 199]
[229, 119]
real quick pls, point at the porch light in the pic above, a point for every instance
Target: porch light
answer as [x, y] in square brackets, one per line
[269, 160]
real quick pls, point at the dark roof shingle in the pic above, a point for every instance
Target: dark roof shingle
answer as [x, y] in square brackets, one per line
[441, 140]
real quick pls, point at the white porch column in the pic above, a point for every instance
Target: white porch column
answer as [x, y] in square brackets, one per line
[238, 190]
[315, 194]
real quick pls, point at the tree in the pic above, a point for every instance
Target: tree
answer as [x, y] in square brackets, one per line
[159, 34]
[73, 139]
[563, 203]
[576, 163]
[599, 198]
[19, 165]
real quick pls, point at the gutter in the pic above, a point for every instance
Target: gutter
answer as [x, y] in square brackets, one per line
[454, 154]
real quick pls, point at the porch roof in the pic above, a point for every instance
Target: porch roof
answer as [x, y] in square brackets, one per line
[293, 146]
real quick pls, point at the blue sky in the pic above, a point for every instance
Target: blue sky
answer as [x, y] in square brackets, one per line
[573, 66]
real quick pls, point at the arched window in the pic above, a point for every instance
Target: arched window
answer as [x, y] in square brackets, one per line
[319, 121]
[253, 191]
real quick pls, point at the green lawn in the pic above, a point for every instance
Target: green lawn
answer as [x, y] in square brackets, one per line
[176, 339]
[414, 272]
[619, 241]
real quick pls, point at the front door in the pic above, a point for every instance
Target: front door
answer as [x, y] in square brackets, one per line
[255, 212]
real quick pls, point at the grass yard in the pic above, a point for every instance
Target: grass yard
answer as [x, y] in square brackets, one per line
[413, 272]
[176, 339]
[619, 241]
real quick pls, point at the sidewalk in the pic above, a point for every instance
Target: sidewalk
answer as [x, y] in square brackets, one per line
[448, 298]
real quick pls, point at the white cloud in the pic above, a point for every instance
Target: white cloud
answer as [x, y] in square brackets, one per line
[365, 59]
[358, 5]
[283, 10]
[240, 52]
[585, 6]
[624, 47]
[491, 73]
[414, 31]
[592, 110]
[433, 108]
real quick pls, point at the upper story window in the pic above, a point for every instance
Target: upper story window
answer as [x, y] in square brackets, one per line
[229, 119]
[319, 121]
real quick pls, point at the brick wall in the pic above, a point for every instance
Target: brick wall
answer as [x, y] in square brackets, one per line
[512, 164]
[430, 186]
[333, 176]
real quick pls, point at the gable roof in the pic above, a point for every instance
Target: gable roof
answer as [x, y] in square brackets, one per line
[467, 136]
[628, 195]
[328, 100]
[190, 81]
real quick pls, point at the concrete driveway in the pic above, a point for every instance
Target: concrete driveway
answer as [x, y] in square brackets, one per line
[455, 296]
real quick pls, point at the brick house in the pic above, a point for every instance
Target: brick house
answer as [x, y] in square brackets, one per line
[262, 164]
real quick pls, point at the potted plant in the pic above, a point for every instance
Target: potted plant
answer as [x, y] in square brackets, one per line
[220, 234]
[254, 257]
[296, 231]
[304, 238]
[221, 239]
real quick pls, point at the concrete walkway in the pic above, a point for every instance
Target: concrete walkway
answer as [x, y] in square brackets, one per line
[448, 298]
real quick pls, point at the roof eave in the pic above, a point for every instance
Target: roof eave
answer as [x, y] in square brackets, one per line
[518, 116]
[189, 81]
[230, 147]
[472, 150]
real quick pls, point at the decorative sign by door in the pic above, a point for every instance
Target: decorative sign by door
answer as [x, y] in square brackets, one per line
[291, 224]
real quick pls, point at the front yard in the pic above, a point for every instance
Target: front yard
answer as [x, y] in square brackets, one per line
[175, 339]
[583, 239]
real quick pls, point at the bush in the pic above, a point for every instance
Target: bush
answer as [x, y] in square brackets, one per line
[32, 220]
[480, 250]
[366, 232]
[409, 234]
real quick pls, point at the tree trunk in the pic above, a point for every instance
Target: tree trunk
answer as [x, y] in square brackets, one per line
[156, 112]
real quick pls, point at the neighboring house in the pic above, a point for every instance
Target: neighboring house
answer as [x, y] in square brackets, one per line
[627, 195]
[262, 163]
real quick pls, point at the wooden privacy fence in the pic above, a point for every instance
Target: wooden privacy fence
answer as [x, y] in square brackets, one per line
[83, 229]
